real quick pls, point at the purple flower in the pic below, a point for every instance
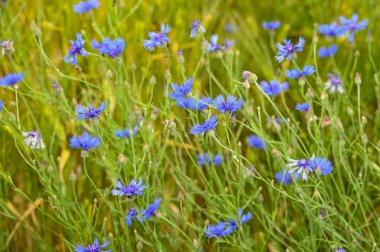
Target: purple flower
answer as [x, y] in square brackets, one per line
[287, 50]
[254, 141]
[196, 28]
[157, 39]
[213, 45]
[229, 44]
[126, 133]
[340, 250]
[302, 167]
[271, 25]
[204, 159]
[83, 6]
[90, 113]
[321, 165]
[286, 177]
[331, 30]
[11, 79]
[273, 88]
[75, 49]
[33, 139]
[182, 90]
[131, 191]
[150, 210]
[230, 105]
[207, 126]
[85, 142]
[132, 214]
[302, 106]
[334, 84]
[93, 247]
[351, 25]
[327, 51]
[295, 73]
[112, 48]
[243, 218]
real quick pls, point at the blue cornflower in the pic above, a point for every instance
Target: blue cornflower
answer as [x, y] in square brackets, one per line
[273, 88]
[131, 191]
[302, 106]
[113, 48]
[331, 30]
[286, 177]
[213, 45]
[196, 28]
[295, 73]
[351, 25]
[182, 90]
[204, 159]
[340, 250]
[75, 49]
[230, 28]
[271, 25]
[83, 6]
[85, 142]
[11, 79]
[243, 218]
[90, 113]
[321, 165]
[254, 141]
[302, 167]
[93, 247]
[230, 105]
[191, 103]
[1, 105]
[287, 50]
[132, 214]
[207, 126]
[150, 210]
[334, 83]
[228, 44]
[126, 133]
[157, 39]
[327, 51]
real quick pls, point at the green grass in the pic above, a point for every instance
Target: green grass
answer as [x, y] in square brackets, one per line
[52, 199]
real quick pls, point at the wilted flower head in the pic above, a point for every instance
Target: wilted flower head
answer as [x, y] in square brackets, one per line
[93, 247]
[85, 142]
[11, 79]
[249, 76]
[230, 105]
[257, 142]
[130, 191]
[295, 73]
[196, 28]
[85, 6]
[7, 46]
[273, 88]
[302, 106]
[33, 139]
[157, 39]
[91, 113]
[112, 48]
[327, 51]
[287, 50]
[204, 159]
[207, 126]
[334, 84]
[75, 49]
[351, 25]
[150, 210]
[271, 25]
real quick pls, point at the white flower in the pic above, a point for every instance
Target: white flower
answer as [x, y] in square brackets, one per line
[33, 139]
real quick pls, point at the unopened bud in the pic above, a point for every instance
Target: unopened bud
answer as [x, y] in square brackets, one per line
[358, 80]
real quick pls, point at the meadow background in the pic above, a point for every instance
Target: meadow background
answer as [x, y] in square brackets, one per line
[48, 203]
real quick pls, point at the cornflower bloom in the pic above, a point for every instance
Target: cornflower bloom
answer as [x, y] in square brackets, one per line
[157, 39]
[84, 142]
[340, 250]
[132, 214]
[150, 210]
[191, 103]
[351, 25]
[321, 166]
[7, 46]
[91, 113]
[182, 90]
[327, 51]
[196, 28]
[331, 30]
[230, 28]
[295, 73]
[302, 106]
[334, 84]
[131, 191]
[11, 79]
[287, 50]
[271, 25]
[302, 167]
[112, 48]
[286, 177]
[273, 88]
[230, 105]
[213, 45]
[84, 6]
[204, 159]
[75, 49]
[254, 141]
[126, 133]
[207, 126]
[93, 247]
[33, 139]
